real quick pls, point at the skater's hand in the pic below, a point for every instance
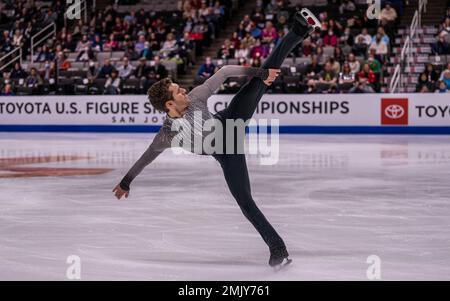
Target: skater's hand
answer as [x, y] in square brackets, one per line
[273, 74]
[119, 192]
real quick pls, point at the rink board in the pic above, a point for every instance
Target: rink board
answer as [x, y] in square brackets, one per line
[295, 113]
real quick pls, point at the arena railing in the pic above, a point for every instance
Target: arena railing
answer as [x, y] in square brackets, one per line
[406, 55]
[8, 60]
[34, 43]
[83, 11]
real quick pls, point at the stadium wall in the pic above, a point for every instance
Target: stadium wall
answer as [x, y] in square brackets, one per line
[297, 113]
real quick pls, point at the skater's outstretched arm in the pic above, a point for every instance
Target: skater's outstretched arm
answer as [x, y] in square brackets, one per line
[158, 145]
[205, 90]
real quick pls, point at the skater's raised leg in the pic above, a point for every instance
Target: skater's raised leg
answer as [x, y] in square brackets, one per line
[244, 103]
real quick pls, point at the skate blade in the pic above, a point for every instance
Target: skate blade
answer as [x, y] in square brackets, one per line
[286, 263]
[310, 18]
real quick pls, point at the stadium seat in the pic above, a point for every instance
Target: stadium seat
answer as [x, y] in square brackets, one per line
[131, 86]
[292, 84]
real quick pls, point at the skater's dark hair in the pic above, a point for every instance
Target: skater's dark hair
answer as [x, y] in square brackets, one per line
[159, 94]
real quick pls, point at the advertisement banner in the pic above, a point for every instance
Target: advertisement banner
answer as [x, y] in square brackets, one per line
[328, 113]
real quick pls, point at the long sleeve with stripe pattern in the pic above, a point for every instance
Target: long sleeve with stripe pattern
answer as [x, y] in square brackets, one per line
[205, 90]
[158, 145]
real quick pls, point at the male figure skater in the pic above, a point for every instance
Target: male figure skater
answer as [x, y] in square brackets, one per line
[179, 106]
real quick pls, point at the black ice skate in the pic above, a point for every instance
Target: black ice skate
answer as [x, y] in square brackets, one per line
[279, 258]
[305, 23]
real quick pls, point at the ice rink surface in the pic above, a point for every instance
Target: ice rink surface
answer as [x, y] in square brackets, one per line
[335, 199]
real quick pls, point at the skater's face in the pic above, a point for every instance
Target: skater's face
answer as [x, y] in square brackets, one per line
[179, 101]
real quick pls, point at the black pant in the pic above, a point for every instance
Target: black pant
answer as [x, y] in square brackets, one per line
[234, 166]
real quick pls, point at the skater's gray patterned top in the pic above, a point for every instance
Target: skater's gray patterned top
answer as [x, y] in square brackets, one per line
[197, 112]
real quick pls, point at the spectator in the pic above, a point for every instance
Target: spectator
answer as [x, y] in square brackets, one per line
[432, 74]
[442, 88]
[69, 45]
[354, 64]
[423, 81]
[7, 90]
[97, 44]
[259, 50]
[6, 45]
[6, 80]
[63, 63]
[346, 76]
[366, 38]
[379, 46]
[154, 42]
[255, 31]
[169, 46]
[330, 39]
[18, 72]
[34, 81]
[445, 26]
[346, 39]
[82, 44]
[313, 69]
[441, 47]
[206, 70]
[186, 48]
[50, 72]
[256, 62]
[147, 51]
[366, 75]
[327, 75]
[140, 45]
[347, 6]
[106, 69]
[384, 37]
[335, 65]
[339, 55]
[17, 38]
[86, 54]
[157, 71]
[248, 41]
[374, 64]
[235, 40]
[388, 14]
[142, 69]
[226, 51]
[44, 54]
[360, 47]
[362, 87]
[112, 44]
[112, 85]
[441, 77]
[446, 79]
[424, 89]
[241, 52]
[334, 26]
[92, 72]
[125, 70]
[307, 48]
[269, 33]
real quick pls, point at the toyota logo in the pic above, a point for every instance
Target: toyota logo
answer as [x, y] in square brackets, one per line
[394, 111]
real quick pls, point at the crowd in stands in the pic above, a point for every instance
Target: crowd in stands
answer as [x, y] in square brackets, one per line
[117, 52]
[347, 55]
[113, 50]
[431, 80]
